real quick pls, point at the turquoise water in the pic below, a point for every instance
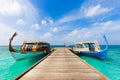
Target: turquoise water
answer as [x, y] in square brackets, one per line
[9, 68]
[110, 66]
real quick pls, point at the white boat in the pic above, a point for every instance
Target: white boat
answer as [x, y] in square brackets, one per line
[86, 46]
[29, 49]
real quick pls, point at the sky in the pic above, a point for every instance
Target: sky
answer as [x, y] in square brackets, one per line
[60, 21]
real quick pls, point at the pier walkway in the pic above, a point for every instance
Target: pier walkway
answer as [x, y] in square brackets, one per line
[62, 64]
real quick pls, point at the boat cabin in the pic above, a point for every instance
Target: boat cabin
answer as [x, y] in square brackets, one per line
[35, 46]
[86, 46]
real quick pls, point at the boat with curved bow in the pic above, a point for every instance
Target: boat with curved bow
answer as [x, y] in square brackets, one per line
[91, 49]
[29, 49]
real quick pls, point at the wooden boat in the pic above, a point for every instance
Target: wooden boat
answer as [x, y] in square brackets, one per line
[91, 49]
[28, 49]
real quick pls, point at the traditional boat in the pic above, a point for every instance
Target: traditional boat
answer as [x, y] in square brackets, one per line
[28, 49]
[91, 49]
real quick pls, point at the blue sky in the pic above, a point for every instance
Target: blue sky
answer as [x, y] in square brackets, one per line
[60, 21]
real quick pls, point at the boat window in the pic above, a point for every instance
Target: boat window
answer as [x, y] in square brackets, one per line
[45, 46]
[86, 45]
[39, 46]
[29, 47]
[79, 45]
[91, 47]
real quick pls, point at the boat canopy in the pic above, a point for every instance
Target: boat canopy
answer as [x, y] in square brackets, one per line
[87, 46]
[34, 46]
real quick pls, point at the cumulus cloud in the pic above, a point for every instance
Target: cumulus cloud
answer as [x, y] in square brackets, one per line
[35, 26]
[47, 35]
[97, 29]
[20, 22]
[108, 26]
[16, 12]
[15, 7]
[47, 21]
[10, 7]
[50, 21]
[43, 22]
[96, 10]
[55, 29]
[6, 29]
[83, 12]
[73, 33]
[12, 11]
[5, 33]
[70, 17]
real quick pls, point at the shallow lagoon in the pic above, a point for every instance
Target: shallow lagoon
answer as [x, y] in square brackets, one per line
[9, 68]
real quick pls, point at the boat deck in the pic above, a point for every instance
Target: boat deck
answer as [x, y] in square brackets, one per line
[62, 64]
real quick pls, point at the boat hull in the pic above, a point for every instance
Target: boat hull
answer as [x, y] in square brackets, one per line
[100, 55]
[23, 55]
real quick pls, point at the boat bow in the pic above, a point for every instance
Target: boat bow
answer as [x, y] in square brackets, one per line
[106, 48]
[105, 51]
[11, 49]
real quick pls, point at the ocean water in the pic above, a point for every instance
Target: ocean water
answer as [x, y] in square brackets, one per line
[9, 68]
[110, 66]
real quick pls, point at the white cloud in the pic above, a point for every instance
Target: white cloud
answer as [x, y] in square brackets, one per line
[96, 10]
[55, 29]
[10, 7]
[5, 33]
[24, 15]
[88, 34]
[50, 21]
[17, 8]
[110, 28]
[20, 22]
[5, 29]
[74, 32]
[83, 12]
[35, 26]
[47, 21]
[70, 17]
[24, 11]
[47, 35]
[43, 22]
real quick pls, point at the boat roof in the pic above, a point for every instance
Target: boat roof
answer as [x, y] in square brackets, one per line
[90, 42]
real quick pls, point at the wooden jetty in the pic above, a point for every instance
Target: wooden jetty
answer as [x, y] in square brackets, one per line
[62, 64]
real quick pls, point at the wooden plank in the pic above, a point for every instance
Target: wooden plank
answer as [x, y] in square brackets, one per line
[62, 64]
